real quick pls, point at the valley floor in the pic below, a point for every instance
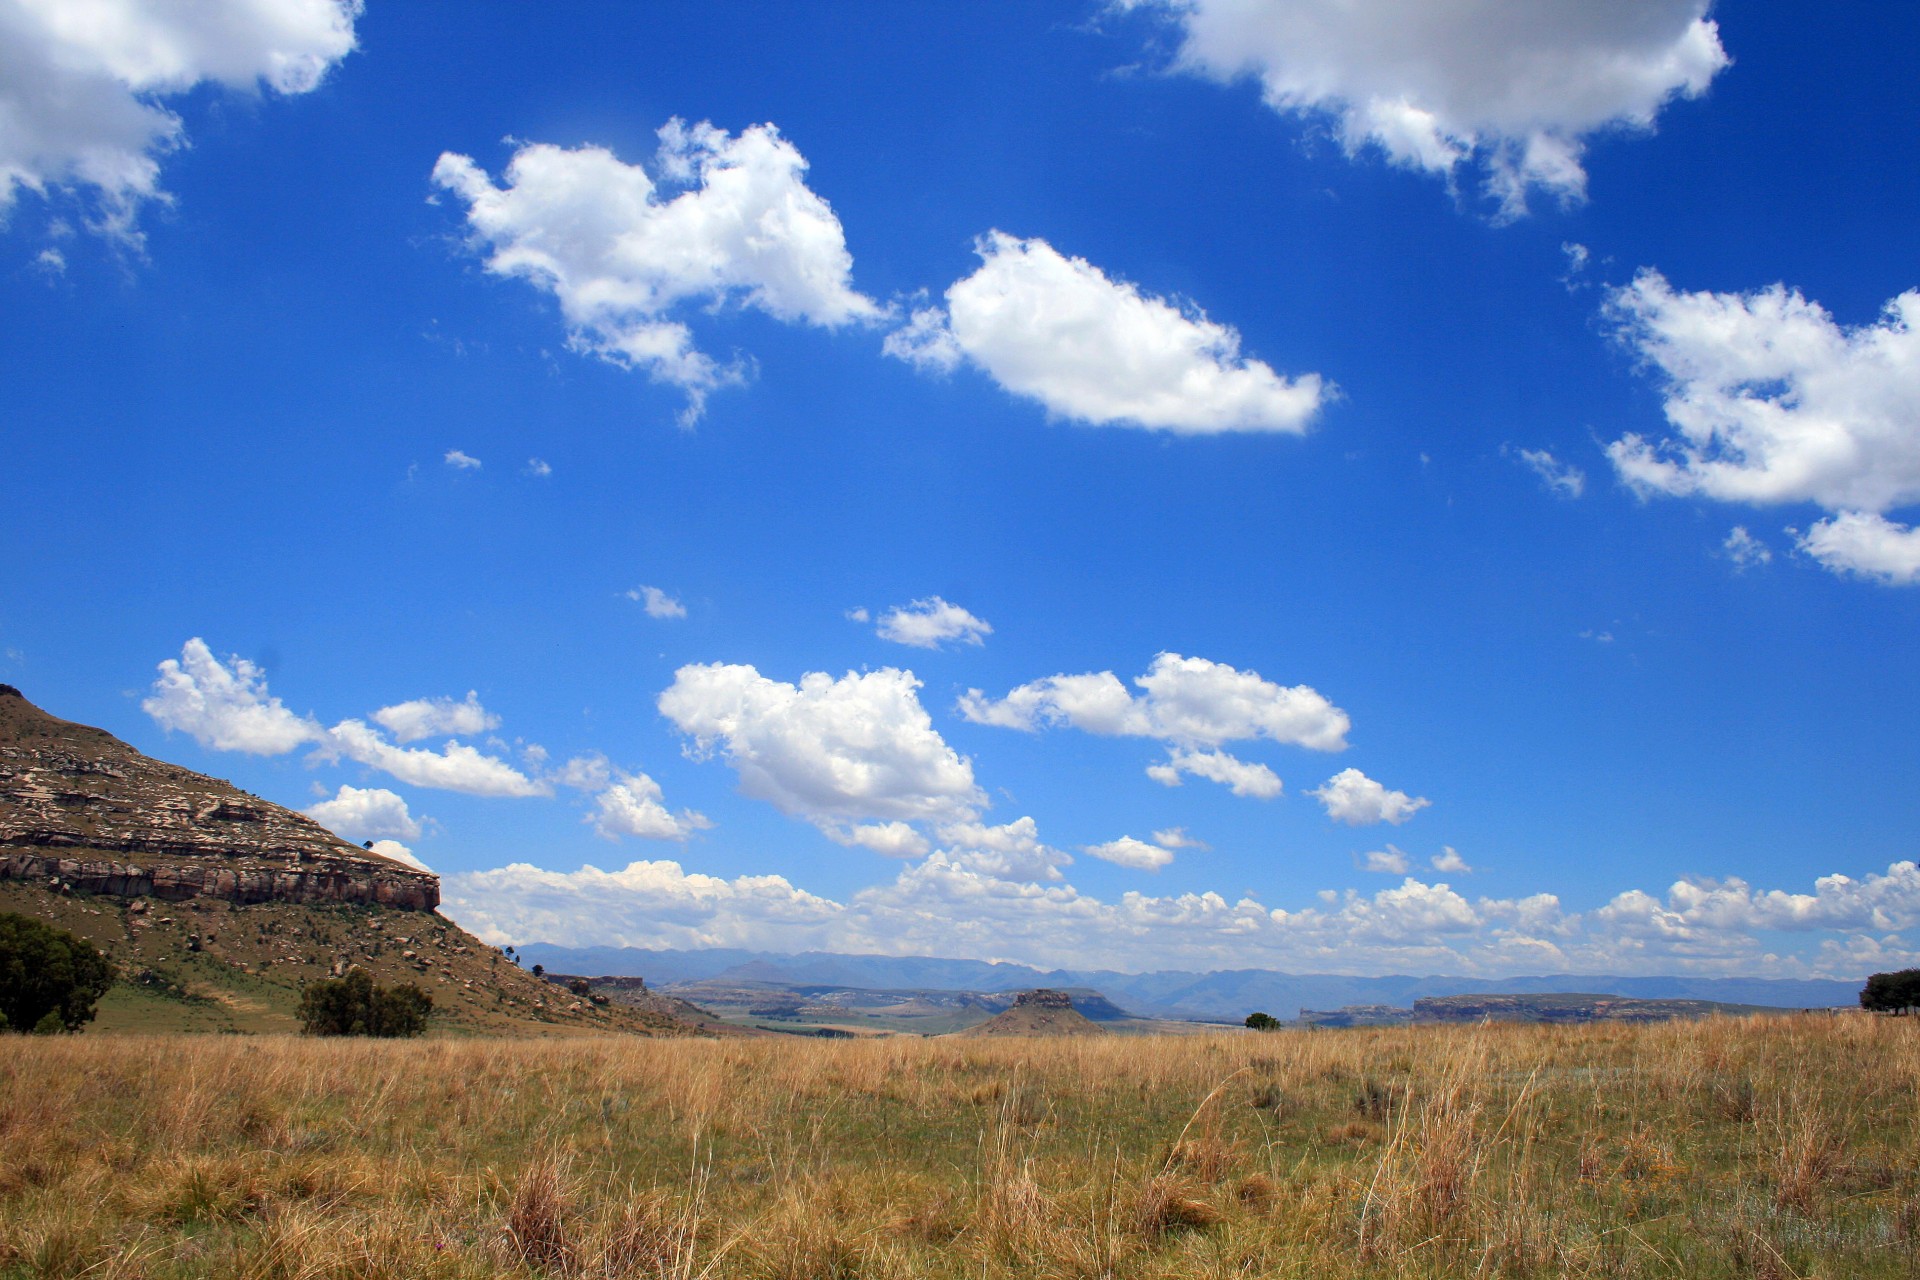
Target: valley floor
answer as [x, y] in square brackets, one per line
[1727, 1147]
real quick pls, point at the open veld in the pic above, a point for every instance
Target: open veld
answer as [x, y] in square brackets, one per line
[1725, 1147]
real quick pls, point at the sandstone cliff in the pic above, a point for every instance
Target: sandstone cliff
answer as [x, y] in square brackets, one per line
[82, 810]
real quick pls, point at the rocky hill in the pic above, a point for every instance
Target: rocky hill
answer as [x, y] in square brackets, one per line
[218, 906]
[1038, 1013]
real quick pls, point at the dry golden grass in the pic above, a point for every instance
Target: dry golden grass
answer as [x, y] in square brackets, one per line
[1770, 1148]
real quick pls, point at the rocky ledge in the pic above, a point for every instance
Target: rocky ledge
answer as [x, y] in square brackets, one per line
[82, 811]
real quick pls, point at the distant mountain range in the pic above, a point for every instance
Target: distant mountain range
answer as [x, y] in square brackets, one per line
[1222, 995]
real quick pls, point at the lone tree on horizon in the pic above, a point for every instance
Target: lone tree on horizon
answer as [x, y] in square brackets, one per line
[1897, 992]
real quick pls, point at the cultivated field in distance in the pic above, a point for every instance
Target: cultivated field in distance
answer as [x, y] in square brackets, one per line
[1730, 1147]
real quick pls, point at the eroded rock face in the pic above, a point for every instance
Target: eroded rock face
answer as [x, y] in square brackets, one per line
[1043, 998]
[79, 809]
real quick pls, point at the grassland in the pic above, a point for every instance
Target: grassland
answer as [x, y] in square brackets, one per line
[1765, 1147]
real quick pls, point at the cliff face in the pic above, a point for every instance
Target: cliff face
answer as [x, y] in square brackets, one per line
[79, 809]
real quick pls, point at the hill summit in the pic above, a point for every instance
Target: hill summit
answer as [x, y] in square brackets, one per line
[1041, 1012]
[217, 907]
[80, 809]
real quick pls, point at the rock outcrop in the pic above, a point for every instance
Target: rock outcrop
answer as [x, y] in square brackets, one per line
[1041, 1012]
[82, 810]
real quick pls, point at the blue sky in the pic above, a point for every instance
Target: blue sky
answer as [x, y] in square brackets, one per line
[1507, 403]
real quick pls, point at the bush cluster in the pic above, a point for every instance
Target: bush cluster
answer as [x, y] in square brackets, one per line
[358, 1006]
[49, 979]
[1894, 992]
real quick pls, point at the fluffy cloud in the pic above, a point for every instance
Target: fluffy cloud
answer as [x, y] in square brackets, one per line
[1350, 796]
[1010, 851]
[399, 853]
[1773, 401]
[454, 767]
[930, 623]
[1449, 862]
[358, 813]
[941, 905]
[1869, 546]
[723, 220]
[1177, 838]
[634, 806]
[831, 751]
[1129, 852]
[657, 603]
[229, 708]
[461, 460]
[1189, 702]
[1514, 85]
[1097, 350]
[81, 85]
[436, 718]
[646, 904]
[1243, 777]
[894, 839]
[1562, 479]
[1390, 861]
[224, 707]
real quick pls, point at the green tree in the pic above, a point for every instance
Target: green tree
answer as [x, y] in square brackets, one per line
[1895, 992]
[1263, 1022]
[358, 1006]
[49, 980]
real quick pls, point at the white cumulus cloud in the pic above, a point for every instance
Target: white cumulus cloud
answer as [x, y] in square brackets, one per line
[1009, 851]
[1350, 796]
[1516, 87]
[83, 82]
[1449, 862]
[1867, 545]
[436, 718]
[1391, 861]
[951, 905]
[831, 751]
[1129, 852]
[1097, 350]
[1772, 401]
[365, 813]
[454, 767]
[657, 603]
[1188, 702]
[226, 707]
[400, 853]
[633, 805]
[722, 219]
[930, 623]
[461, 460]
[229, 708]
[1242, 777]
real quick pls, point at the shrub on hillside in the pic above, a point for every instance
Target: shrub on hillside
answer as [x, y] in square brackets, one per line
[1895, 992]
[1263, 1022]
[358, 1006]
[50, 980]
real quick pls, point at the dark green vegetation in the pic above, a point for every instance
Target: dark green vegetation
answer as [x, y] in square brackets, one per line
[49, 980]
[1897, 992]
[1262, 1022]
[357, 1006]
